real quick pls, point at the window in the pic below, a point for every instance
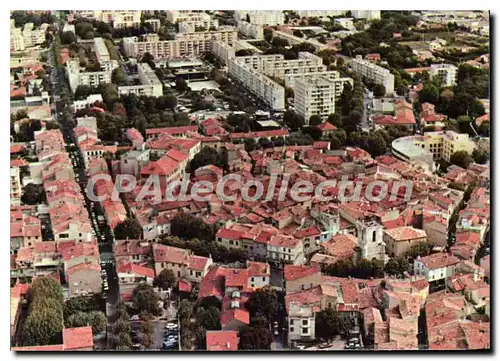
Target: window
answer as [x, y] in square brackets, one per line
[291, 322]
[305, 322]
[291, 329]
[305, 330]
[178, 273]
[263, 279]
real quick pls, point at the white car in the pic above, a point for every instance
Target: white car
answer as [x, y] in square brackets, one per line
[134, 318]
[301, 347]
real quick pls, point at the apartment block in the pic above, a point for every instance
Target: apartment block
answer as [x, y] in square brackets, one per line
[333, 76]
[366, 14]
[155, 23]
[374, 72]
[120, 18]
[260, 17]
[314, 96]
[445, 74]
[319, 13]
[101, 50]
[93, 79]
[150, 84]
[185, 44]
[266, 89]
[222, 50]
[27, 37]
[277, 67]
[15, 186]
[175, 16]
[251, 30]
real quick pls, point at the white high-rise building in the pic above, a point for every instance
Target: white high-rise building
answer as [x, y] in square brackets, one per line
[366, 14]
[101, 50]
[319, 13]
[333, 76]
[446, 74]
[314, 96]
[374, 72]
[260, 17]
[150, 84]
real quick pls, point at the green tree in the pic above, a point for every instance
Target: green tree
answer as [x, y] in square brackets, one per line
[99, 322]
[209, 318]
[315, 120]
[379, 90]
[335, 119]
[396, 266]
[293, 120]
[181, 84]
[118, 76]
[484, 129]
[327, 324]
[145, 298]
[128, 229]
[68, 37]
[376, 144]
[253, 338]
[335, 143]
[480, 156]
[419, 249]
[122, 341]
[429, 93]
[165, 280]
[33, 194]
[264, 303]
[461, 159]
[82, 92]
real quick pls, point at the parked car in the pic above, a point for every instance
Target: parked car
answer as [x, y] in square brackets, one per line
[324, 345]
[301, 347]
[134, 318]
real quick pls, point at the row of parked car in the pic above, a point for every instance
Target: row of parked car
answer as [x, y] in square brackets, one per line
[171, 336]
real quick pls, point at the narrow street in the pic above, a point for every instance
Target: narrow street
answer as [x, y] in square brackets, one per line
[63, 115]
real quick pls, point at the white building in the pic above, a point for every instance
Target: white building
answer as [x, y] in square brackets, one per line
[251, 30]
[260, 85]
[15, 186]
[319, 13]
[374, 72]
[150, 84]
[435, 267]
[347, 23]
[222, 50]
[277, 67]
[333, 76]
[119, 18]
[185, 45]
[155, 24]
[87, 102]
[101, 50]
[366, 14]
[260, 17]
[92, 79]
[301, 323]
[445, 74]
[314, 96]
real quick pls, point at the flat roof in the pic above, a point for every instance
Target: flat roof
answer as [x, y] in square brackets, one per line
[199, 85]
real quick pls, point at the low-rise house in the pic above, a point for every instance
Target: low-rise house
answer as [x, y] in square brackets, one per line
[222, 341]
[436, 267]
[301, 323]
[399, 240]
[300, 278]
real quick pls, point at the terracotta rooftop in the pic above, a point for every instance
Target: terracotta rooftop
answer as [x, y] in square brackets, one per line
[295, 272]
[222, 340]
[78, 338]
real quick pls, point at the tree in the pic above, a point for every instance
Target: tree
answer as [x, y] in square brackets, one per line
[327, 324]
[122, 341]
[264, 303]
[480, 156]
[314, 132]
[118, 76]
[210, 301]
[165, 280]
[418, 249]
[82, 92]
[335, 143]
[379, 90]
[33, 194]
[253, 338]
[181, 84]
[145, 298]
[206, 156]
[148, 340]
[209, 318]
[315, 120]
[122, 326]
[68, 37]
[429, 94]
[484, 129]
[293, 120]
[187, 226]
[250, 144]
[45, 312]
[461, 159]
[128, 229]
[396, 266]
[335, 119]
[99, 323]
[119, 110]
[376, 144]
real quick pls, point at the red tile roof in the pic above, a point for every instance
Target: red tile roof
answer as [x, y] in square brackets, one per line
[234, 314]
[326, 126]
[162, 253]
[222, 340]
[295, 272]
[78, 338]
[439, 260]
[133, 268]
